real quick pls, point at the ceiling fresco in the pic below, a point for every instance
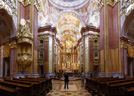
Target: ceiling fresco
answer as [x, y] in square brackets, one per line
[69, 16]
[64, 4]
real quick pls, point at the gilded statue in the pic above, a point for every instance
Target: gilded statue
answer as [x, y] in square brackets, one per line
[130, 51]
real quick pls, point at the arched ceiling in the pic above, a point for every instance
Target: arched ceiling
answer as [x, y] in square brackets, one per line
[128, 27]
[130, 31]
[4, 30]
[68, 27]
[69, 16]
[64, 4]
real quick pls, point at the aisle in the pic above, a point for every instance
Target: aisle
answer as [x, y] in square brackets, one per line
[75, 89]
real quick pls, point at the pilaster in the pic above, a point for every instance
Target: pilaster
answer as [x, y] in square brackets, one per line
[109, 38]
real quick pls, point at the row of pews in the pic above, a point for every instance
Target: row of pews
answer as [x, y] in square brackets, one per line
[110, 86]
[25, 86]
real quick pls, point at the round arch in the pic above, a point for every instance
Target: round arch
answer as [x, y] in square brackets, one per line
[127, 29]
[7, 25]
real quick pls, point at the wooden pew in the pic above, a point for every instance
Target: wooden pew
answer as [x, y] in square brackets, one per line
[27, 90]
[7, 91]
[92, 84]
[45, 85]
[115, 89]
[34, 85]
[109, 86]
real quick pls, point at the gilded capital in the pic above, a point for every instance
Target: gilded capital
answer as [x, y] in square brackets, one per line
[91, 38]
[13, 44]
[46, 38]
[25, 2]
[38, 5]
[112, 2]
[124, 44]
[130, 50]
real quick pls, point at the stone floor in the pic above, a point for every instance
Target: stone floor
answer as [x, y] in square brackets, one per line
[75, 89]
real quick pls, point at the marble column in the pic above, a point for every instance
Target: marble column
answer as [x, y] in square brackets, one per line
[13, 56]
[1, 63]
[35, 35]
[49, 54]
[51, 67]
[102, 61]
[124, 56]
[46, 54]
[91, 65]
[86, 54]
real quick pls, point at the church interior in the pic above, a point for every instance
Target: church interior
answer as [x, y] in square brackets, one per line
[42, 40]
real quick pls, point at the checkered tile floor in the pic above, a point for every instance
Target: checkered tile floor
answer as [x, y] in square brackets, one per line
[75, 89]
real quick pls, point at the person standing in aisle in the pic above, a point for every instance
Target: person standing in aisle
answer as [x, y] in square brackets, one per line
[66, 80]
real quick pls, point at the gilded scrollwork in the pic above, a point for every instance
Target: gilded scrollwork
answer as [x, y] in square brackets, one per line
[24, 34]
[13, 44]
[6, 50]
[126, 6]
[38, 4]
[124, 44]
[112, 2]
[46, 38]
[24, 45]
[130, 50]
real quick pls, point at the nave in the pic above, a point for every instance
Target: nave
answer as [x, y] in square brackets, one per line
[43, 39]
[75, 89]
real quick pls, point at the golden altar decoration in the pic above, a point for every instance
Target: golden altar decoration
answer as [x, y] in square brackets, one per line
[130, 51]
[6, 50]
[24, 45]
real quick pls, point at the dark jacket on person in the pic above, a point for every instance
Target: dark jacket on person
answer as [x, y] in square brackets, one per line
[66, 78]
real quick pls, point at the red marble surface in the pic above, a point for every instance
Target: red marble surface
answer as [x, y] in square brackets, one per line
[102, 28]
[27, 12]
[46, 55]
[14, 50]
[22, 11]
[35, 31]
[113, 27]
[116, 26]
[122, 61]
[91, 56]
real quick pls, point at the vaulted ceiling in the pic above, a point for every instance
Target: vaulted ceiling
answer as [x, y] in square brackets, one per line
[69, 16]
